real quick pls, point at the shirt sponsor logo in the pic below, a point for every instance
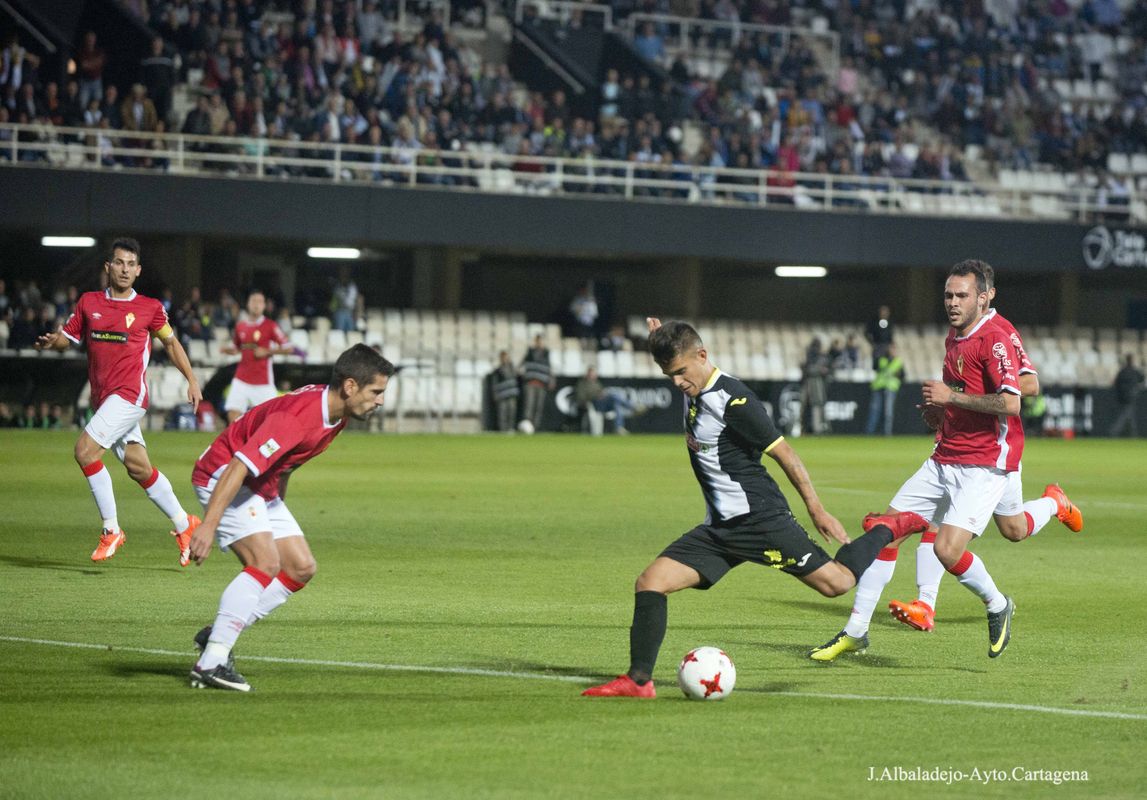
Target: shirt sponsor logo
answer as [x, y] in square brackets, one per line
[740, 401]
[269, 448]
[999, 351]
[111, 337]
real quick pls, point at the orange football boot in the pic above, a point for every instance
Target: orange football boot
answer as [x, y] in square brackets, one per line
[1065, 510]
[183, 540]
[917, 614]
[110, 543]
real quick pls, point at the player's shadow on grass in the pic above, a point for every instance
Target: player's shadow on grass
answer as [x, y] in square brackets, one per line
[41, 563]
[163, 669]
[83, 569]
[824, 608]
[546, 669]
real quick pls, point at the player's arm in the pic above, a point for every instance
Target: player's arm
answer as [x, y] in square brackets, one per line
[828, 525]
[1029, 384]
[938, 393]
[182, 363]
[53, 341]
[749, 420]
[224, 492]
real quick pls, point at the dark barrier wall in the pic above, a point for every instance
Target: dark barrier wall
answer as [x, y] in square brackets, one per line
[321, 213]
[1086, 412]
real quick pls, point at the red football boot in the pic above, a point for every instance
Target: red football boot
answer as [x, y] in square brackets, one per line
[621, 686]
[902, 524]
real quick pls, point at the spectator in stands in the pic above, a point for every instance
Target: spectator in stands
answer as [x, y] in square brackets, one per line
[5, 303]
[504, 392]
[597, 402]
[25, 329]
[346, 302]
[110, 109]
[28, 420]
[91, 60]
[538, 375]
[815, 373]
[1128, 385]
[157, 73]
[7, 418]
[649, 44]
[885, 385]
[583, 309]
[879, 333]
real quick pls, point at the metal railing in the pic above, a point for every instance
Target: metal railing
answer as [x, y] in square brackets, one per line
[564, 12]
[717, 39]
[484, 169]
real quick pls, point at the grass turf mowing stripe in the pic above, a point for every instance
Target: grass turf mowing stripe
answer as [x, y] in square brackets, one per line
[491, 673]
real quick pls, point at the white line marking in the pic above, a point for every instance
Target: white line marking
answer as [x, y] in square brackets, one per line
[936, 701]
[489, 673]
[540, 676]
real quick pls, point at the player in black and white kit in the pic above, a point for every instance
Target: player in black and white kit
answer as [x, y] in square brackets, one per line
[727, 430]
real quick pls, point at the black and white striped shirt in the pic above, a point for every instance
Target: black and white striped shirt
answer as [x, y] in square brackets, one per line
[727, 430]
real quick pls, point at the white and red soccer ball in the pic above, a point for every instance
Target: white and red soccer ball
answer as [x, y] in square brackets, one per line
[706, 673]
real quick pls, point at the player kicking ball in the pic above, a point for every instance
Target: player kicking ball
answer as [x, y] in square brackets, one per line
[727, 430]
[238, 478]
[117, 326]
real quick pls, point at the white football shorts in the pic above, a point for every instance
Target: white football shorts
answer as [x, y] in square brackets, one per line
[242, 396]
[953, 494]
[115, 425]
[249, 513]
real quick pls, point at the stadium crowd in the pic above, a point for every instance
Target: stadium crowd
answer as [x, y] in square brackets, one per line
[920, 80]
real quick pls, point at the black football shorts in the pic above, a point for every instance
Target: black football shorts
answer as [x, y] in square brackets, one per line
[776, 541]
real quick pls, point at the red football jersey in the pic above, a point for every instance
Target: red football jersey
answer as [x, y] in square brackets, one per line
[248, 335]
[271, 438]
[981, 363]
[118, 334]
[997, 319]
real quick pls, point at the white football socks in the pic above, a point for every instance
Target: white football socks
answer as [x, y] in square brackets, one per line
[972, 573]
[100, 481]
[1041, 511]
[929, 571]
[868, 590]
[236, 605]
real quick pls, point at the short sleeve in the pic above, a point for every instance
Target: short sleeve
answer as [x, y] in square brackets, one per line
[999, 365]
[276, 437]
[277, 335]
[74, 327]
[159, 325]
[1025, 363]
[746, 417]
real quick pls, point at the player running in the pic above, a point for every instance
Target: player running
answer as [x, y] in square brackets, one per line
[117, 326]
[237, 479]
[255, 341]
[1015, 519]
[727, 430]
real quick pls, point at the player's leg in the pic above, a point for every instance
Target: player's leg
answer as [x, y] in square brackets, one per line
[112, 421]
[868, 562]
[236, 403]
[246, 529]
[696, 560]
[132, 450]
[974, 493]
[296, 562]
[921, 495]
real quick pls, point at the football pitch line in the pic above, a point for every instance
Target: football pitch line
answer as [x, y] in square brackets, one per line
[541, 676]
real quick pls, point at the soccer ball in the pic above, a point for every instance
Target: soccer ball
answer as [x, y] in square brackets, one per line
[526, 427]
[706, 673]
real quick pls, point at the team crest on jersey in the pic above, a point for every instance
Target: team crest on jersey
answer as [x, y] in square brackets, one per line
[692, 413]
[960, 365]
[129, 319]
[257, 335]
[269, 448]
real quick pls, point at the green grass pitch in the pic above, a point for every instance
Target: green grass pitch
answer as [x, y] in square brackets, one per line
[465, 557]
